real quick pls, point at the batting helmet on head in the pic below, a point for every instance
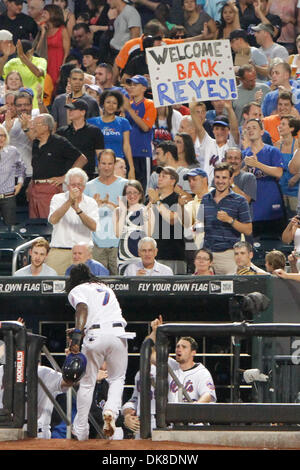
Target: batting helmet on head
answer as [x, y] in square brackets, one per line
[74, 367]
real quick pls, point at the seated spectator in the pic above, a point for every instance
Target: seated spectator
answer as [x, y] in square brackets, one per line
[225, 215]
[147, 266]
[203, 263]
[74, 217]
[265, 162]
[38, 252]
[291, 234]
[82, 253]
[244, 53]
[288, 144]
[197, 22]
[275, 259]
[13, 81]
[243, 254]
[132, 221]
[229, 20]
[22, 26]
[285, 107]
[294, 60]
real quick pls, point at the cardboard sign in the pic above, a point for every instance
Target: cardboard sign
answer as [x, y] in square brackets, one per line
[201, 70]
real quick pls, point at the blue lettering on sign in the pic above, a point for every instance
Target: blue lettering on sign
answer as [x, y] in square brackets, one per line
[178, 91]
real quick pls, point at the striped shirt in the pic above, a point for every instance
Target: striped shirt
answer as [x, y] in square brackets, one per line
[11, 167]
[221, 236]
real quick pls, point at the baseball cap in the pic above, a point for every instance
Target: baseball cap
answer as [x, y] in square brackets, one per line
[195, 172]
[5, 35]
[78, 104]
[27, 90]
[264, 27]
[138, 79]
[94, 87]
[169, 170]
[221, 121]
[238, 33]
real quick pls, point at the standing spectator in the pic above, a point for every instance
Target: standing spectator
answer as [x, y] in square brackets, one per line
[17, 126]
[289, 14]
[226, 215]
[120, 168]
[58, 39]
[265, 162]
[52, 157]
[169, 216]
[106, 190]
[132, 221]
[84, 136]
[12, 176]
[35, 10]
[127, 24]
[242, 182]
[116, 129]
[253, 12]
[229, 20]
[76, 82]
[249, 89]
[264, 34]
[285, 107]
[31, 68]
[104, 79]
[147, 266]
[38, 267]
[252, 110]
[288, 144]
[167, 124]
[141, 114]
[90, 59]
[82, 38]
[7, 47]
[74, 217]
[20, 25]
[226, 133]
[280, 73]
[69, 17]
[198, 22]
[82, 253]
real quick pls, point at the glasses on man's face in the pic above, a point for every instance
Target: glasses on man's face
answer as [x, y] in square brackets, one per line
[132, 193]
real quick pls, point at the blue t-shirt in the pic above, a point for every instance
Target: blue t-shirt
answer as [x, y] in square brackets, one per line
[105, 236]
[96, 268]
[269, 103]
[112, 133]
[268, 204]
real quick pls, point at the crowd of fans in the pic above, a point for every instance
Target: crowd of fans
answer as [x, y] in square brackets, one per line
[83, 146]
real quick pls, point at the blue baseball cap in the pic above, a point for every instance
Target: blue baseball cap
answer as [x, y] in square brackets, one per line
[221, 121]
[27, 90]
[195, 172]
[138, 79]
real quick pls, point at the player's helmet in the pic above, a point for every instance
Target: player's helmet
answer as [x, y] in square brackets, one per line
[74, 367]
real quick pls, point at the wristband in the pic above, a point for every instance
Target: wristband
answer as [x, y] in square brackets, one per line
[76, 338]
[78, 213]
[232, 222]
[25, 130]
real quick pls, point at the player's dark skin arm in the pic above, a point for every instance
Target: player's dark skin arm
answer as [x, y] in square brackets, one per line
[81, 314]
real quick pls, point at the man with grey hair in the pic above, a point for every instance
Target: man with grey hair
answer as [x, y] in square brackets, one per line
[74, 216]
[148, 266]
[52, 157]
[82, 253]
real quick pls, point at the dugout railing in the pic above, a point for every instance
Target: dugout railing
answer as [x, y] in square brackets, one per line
[20, 380]
[225, 415]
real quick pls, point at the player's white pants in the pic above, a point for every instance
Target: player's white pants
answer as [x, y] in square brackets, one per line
[100, 346]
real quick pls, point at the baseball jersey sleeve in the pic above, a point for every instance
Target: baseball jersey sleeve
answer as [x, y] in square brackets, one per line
[77, 296]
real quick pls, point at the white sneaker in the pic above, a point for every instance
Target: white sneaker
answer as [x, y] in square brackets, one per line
[109, 423]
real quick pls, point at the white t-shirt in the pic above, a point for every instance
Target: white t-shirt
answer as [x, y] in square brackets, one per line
[70, 230]
[26, 271]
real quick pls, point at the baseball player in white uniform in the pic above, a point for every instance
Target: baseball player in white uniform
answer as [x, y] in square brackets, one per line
[98, 318]
[56, 385]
